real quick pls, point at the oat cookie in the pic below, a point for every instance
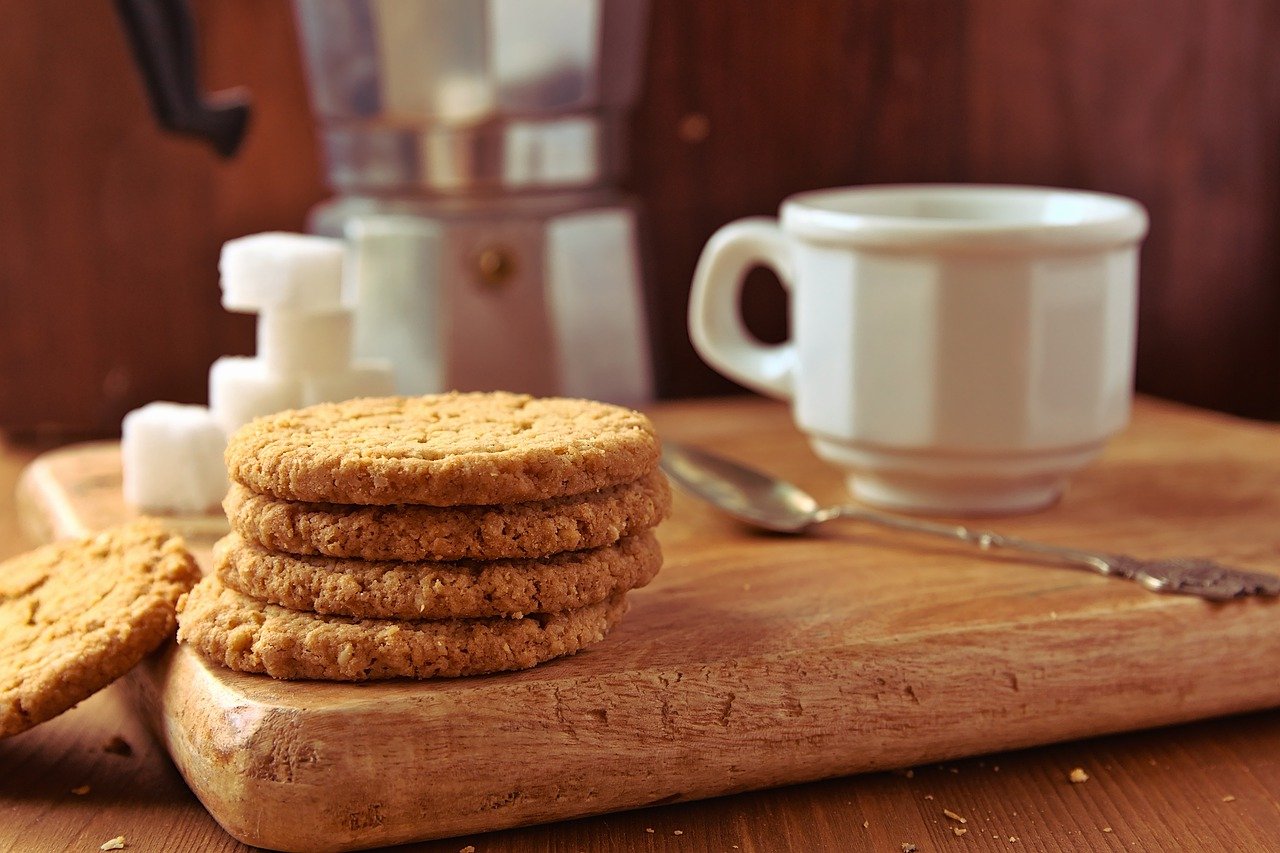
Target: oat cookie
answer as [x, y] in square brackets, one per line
[415, 532]
[75, 616]
[251, 636]
[437, 590]
[443, 450]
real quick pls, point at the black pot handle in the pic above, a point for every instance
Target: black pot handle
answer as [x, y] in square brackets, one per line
[162, 36]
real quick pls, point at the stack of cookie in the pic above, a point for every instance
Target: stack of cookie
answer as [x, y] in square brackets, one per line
[445, 535]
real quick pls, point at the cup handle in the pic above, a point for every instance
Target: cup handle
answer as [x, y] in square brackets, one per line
[715, 320]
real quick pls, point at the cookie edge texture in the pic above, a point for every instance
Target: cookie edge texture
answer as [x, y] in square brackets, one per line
[469, 589]
[481, 532]
[245, 635]
[278, 455]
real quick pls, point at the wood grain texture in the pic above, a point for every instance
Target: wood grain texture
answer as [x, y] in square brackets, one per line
[794, 96]
[111, 232]
[755, 661]
[1159, 790]
[111, 229]
[1178, 105]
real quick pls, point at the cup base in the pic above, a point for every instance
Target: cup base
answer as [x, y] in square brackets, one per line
[975, 498]
[946, 483]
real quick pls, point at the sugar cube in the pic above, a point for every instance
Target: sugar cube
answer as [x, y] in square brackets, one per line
[297, 272]
[291, 343]
[172, 458]
[241, 389]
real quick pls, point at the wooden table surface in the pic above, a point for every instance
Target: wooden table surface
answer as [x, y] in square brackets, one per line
[1208, 786]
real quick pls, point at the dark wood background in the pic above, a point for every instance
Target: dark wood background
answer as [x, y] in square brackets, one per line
[109, 230]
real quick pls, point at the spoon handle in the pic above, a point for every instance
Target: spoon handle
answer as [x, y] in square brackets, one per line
[983, 539]
[1200, 577]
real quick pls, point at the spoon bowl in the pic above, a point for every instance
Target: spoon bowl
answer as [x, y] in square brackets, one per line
[742, 492]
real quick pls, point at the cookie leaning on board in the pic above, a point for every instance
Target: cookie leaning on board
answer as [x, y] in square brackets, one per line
[75, 616]
[452, 534]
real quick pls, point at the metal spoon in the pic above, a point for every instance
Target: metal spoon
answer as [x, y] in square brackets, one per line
[777, 505]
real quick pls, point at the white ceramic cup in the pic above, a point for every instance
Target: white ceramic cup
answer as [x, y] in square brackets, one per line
[954, 348]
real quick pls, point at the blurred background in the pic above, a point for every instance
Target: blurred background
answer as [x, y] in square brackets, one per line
[110, 228]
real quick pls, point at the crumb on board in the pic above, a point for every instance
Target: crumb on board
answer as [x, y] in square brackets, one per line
[866, 824]
[949, 813]
[116, 843]
[470, 848]
[958, 830]
[677, 832]
[1078, 775]
[1013, 839]
[649, 829]
[1106, 829]
[118, 746]
[908, 847]
[1229, 798]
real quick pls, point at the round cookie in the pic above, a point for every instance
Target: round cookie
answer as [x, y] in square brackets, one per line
[442, 450]
[75, 616]
[415, 532]
[252, 636]
[437, 590]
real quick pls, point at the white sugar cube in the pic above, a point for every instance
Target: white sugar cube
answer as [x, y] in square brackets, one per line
[241, 389]
[172, 458]
[367, 377]
[292, 343]
[296, 272]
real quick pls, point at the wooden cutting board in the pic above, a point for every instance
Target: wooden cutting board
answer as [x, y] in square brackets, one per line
[753, 660]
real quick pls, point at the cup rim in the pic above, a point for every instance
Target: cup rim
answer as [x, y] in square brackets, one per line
[1112, 220]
